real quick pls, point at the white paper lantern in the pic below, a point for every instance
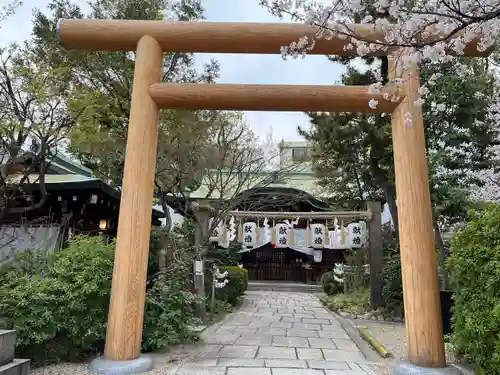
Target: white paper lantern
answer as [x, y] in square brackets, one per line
[216, 232]
[282, 235]
[356, 235]
[318, 256]
[249, 234]
[318, 236]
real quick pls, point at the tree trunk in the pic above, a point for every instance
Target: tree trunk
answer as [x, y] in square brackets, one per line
[388, 189]
[165, 243]
[442, 251]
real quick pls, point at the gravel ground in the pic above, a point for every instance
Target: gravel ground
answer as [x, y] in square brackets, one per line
[393, 337]
[165, 362]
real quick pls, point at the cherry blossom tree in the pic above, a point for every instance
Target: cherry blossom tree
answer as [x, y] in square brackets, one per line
[8, 9]
[409, 32]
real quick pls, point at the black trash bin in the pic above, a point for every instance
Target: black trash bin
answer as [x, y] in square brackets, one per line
[446, 307]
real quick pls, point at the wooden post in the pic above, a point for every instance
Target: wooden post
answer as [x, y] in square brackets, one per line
[201, 237]
[126, 310]
[376, 254]
[418, 260]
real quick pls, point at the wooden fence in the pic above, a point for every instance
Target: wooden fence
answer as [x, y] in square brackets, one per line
[284, 272]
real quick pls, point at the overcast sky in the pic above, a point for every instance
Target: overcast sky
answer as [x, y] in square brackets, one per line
[234, 68]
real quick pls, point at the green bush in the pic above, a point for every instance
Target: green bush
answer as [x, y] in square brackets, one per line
[474, 265]
[238, 281]
[169, 315]
[245, 278]
[58, 303]
[225, 256]
[330, 286]
[356, 302]
[392, 287]
[220, 307]
[59, 306]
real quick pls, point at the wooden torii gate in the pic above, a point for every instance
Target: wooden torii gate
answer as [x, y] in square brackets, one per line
[151, 40]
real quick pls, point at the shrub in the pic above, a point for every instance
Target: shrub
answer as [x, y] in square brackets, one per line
[225, 256]
[58, 303]
[60, 309]
[474, 266]
[392, 287]
[356, 302]
[170, 304]
[169, 315]
[238, 281]
[221, 307]
[330, 286]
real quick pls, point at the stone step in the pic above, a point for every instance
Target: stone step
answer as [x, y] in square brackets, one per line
[283, 287]
[16, 367]
[7, 346]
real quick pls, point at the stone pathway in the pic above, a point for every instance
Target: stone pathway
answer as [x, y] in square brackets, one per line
[277, 333]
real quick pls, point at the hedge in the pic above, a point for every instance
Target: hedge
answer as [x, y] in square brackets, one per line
[474, 265]
[238, 283]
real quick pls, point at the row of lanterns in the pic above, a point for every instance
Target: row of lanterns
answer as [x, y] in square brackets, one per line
[353, 235]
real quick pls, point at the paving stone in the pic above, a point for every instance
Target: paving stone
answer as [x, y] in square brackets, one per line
[267, 309]
[328, 365]
[187, 370]
[208, 351]
[275, 352]
[306, 326]
[291, 342]
[343, 355]
[334, 335]
[291, 320]
[324, 314]
[262, 314]
[256, 339]
[309, 353]
[245, 330]
[257, 324]
[238, 351]
[301, 333]
[238, 321]
[241, 362]
[223, 338]
[248, 371]
[286, 363]
[286, 311]
[272, 331]
[303, 315]
[316, 321]
[295, 371]
[277, 333]
[268, 319]
[285, 315]
[332, 327]
[203, 362]
[281, 325]
[345, 344]
[322, 343]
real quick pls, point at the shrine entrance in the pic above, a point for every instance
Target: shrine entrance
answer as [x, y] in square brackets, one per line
[286, 234]
[269, 263]
[151, 40]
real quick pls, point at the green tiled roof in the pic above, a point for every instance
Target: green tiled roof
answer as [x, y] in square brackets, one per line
[302, 180]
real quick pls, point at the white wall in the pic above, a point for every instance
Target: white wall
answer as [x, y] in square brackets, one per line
[176, 218]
